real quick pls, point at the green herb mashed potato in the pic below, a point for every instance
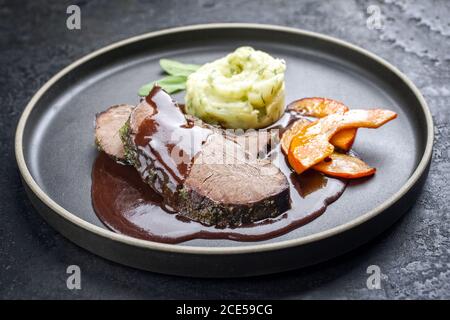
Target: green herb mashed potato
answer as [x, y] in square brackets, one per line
[244, 90]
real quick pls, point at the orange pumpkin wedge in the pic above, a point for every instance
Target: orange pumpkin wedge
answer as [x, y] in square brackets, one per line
[317, 107]
[291, 132]
[337, 164]
[344, 139]
[344, 166]
[322, 107]
[311, 145]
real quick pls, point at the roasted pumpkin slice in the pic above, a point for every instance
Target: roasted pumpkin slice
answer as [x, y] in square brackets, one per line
[322, 107]
[291, 132]
[337, 164]
[344, 166]
[317, 107]
[312, 144]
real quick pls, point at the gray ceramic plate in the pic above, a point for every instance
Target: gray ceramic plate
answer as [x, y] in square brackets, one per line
[55, 151]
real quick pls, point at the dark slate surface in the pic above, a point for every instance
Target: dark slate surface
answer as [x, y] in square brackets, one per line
[413, 255]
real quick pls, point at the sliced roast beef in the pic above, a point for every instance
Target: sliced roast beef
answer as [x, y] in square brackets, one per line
[226, 187]
[201, 172]
[110, 122]
[107, 126]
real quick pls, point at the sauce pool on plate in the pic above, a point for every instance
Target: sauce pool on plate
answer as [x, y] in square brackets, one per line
[125, 204]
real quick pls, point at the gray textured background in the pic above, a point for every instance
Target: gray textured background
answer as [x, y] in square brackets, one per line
[414, 255]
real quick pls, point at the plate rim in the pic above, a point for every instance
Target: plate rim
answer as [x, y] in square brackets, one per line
[187, 249]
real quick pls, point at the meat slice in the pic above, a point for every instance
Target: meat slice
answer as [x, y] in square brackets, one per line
[232, 192]
[107, 126]
[110, 123]
[217, 182]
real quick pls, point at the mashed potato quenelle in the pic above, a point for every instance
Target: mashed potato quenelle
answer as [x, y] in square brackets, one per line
[244, 90]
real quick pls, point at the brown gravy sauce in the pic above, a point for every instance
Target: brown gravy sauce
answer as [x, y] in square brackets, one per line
[125, 204]
[165, 134]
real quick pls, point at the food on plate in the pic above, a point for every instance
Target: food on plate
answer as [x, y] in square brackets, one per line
[157, 139]
[243, 90]
[208, 180]
[344, 166]
[317, 107]
[291, 132]
[337, 164]
[127, 205]
[175, 68]
[311, 145]
[322, 107]
[176, 79]
[107, 125]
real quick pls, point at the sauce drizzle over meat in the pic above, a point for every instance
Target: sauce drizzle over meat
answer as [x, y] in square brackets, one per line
[168, 141]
